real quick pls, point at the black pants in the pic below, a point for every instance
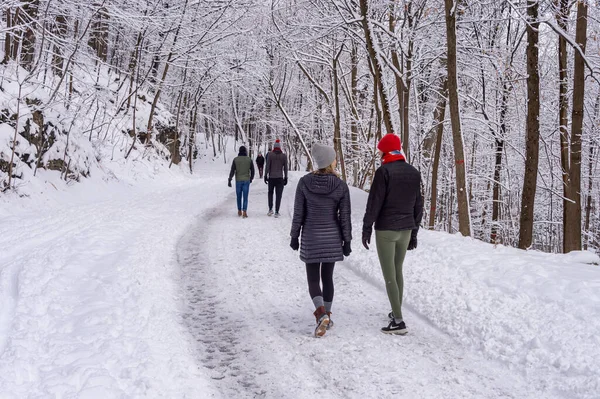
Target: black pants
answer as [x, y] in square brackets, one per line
[317, 273]
[277, 185]
[260, 171]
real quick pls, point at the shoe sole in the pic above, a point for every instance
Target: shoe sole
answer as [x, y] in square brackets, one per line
[395, 332]
[322, 328]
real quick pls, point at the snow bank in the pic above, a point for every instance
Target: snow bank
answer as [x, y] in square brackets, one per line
[89, 293]
[536, 312]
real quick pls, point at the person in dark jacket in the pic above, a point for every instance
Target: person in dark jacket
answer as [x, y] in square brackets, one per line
[243, 168]
[260, 163]
[322, 217]
[395, 205]
[276, 176]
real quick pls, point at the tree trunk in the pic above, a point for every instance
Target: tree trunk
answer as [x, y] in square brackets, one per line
[562, 16]
[572, 240]
[27, 18]
[8, 36]
[440, 115]
[337, 134]
[499, 144]
[355, 118]
[58, 60]
[532, 128]
[464, 216]
[400, 86]
[378, 75]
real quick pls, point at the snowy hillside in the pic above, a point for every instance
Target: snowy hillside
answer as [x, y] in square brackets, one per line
[86, 136]
[160, 290]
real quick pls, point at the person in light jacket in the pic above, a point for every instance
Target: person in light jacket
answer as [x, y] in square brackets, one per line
[395, 205]
[322, 221]
[243, 169]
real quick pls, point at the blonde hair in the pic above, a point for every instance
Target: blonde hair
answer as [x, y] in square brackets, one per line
[326, 171]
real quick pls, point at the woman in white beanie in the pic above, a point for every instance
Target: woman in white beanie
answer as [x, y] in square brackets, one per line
[322, 218]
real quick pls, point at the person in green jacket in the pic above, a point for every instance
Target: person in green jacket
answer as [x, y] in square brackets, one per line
[243, 168]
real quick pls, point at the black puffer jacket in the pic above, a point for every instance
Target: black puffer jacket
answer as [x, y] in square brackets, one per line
[322, 212]
[395, 200]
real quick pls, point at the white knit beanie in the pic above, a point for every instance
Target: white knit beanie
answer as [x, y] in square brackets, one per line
[323, 155]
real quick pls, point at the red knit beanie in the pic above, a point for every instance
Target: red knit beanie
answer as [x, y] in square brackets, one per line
[390, 142]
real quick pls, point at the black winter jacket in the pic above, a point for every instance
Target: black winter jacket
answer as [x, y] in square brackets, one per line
[395, 200]
[322, 212]
[260, 161]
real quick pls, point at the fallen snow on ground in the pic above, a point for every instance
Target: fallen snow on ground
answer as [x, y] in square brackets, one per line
[89, 302]
[162, 291]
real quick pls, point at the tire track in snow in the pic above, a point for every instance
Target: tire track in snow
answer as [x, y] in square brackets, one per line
[215, 332]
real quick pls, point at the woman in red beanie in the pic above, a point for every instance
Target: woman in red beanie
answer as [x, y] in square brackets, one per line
[395, 205]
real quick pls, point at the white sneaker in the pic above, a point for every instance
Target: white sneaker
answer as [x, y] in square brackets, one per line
[270, 213]
[277, 214]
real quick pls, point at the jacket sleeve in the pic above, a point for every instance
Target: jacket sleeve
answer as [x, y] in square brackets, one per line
[346, 215]
[268, 167]
[418, 210]
[375, 201]
[251, 170]
[285, 166]
[232, 172]
[299, 211]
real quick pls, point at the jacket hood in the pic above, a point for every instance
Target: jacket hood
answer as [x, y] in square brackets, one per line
[321, 184]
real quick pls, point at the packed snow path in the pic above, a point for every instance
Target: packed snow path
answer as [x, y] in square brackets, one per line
[248, 308]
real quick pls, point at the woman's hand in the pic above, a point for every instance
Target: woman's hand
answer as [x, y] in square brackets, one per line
[346, 248]
[295, 244]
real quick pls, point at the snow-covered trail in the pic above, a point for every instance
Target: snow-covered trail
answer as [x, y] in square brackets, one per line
[88, 295]
[248, 308]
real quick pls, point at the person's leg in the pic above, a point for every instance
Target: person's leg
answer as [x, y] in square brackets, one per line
[327, 279]
[279, 192]
[245, 191]
[313, 276]
[271, 188]
[238, 193]
[401, 247]
[386, 251]
[260, 172]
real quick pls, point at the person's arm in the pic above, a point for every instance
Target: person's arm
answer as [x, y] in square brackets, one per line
[232, 172]
[346, 215]
[376, 199]
[268, 167]
[418, 211]
[299, 211]
[285, 167]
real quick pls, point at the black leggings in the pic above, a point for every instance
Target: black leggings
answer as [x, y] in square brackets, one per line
[317, 272]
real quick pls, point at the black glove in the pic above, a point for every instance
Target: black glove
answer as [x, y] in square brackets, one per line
[295, 244]
[412, 244]
[250, 181]
[346, 248]
[266, 180]
[229, 182]
[366, 237]
[285, 181]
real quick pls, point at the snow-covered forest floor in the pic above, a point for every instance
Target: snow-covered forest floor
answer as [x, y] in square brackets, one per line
[160, 290]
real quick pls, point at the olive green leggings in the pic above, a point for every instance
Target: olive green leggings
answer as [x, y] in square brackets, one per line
[391, 249]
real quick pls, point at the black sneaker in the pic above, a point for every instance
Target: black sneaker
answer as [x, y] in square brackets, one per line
[396, 329]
